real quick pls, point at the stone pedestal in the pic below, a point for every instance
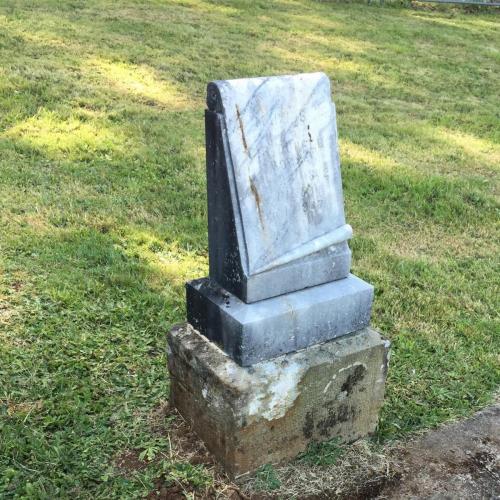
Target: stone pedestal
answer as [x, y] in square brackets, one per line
[278, 351]
[249, 416]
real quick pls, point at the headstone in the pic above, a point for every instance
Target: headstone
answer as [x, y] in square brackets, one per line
[275, 206]
[279, 281]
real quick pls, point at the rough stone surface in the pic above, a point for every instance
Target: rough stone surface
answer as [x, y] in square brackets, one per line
[271, 411]
[250, 333]
[275, 205]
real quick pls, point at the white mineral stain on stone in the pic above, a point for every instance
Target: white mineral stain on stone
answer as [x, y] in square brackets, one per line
[204, 392]
[272, 400]
[329, 383]
[348, 367]
[341, 396]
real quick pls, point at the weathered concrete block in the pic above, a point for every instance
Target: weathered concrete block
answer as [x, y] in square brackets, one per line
[271, 411]
[251, 333]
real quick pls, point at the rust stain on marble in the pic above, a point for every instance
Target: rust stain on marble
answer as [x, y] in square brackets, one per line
[240, 122]
[256, 195]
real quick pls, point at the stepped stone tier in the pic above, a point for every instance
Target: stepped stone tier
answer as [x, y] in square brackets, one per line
[279, 322]
[250, 333]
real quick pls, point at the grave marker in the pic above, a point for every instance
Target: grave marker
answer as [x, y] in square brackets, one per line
[298, 361]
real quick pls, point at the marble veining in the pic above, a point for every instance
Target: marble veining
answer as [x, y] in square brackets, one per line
[282, 139]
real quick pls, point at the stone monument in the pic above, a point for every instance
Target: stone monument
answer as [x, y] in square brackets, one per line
[277, 351]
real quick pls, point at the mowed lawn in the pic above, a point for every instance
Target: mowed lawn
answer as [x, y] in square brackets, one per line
[103, 218]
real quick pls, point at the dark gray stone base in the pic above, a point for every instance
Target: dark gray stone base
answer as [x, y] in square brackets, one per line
[271, 411]
[250, 333]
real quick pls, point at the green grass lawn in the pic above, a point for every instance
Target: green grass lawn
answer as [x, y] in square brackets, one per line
[103, 218]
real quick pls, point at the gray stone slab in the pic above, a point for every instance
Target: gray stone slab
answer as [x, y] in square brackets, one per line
[250, 333]
[275, 205]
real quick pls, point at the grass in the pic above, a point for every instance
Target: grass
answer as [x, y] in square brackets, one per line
[322, 454]
[102, 212]
[266, 479]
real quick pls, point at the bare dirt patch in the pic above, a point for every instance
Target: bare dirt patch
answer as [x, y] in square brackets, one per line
[459, 460]
[129, 462]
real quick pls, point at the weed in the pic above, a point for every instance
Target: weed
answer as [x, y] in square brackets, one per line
[266, 478]
[322, 454]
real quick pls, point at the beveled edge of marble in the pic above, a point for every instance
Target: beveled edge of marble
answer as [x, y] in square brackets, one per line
[215, 101]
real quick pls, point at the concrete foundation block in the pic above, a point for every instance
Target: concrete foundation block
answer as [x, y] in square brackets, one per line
[271, 411]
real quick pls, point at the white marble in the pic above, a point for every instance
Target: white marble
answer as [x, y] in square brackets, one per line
[284, 167]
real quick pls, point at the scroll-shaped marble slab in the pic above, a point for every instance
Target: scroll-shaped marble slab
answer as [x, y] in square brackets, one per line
[275, 205]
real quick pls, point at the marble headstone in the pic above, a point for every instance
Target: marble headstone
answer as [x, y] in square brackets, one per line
[275, 206]
[277, 352]
[279, 261]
